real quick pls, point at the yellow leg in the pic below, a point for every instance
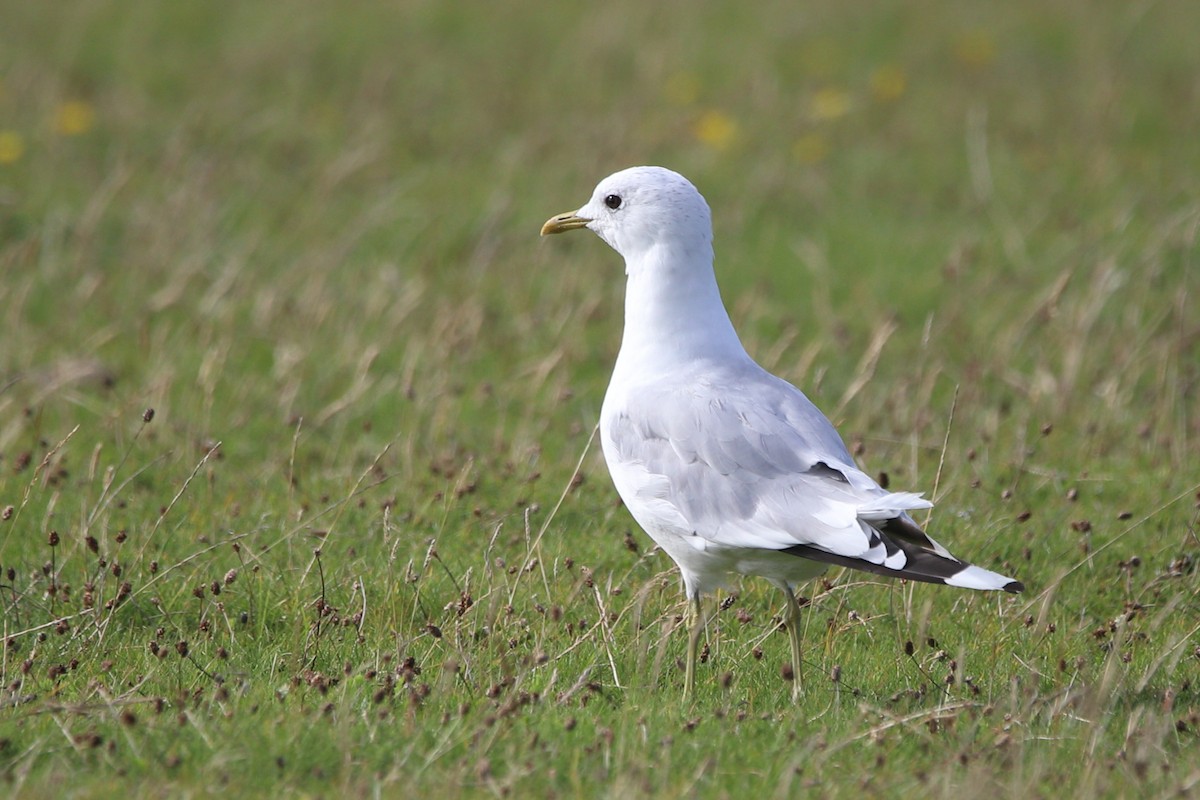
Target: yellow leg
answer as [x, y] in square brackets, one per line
[696, 627]
[793, 627]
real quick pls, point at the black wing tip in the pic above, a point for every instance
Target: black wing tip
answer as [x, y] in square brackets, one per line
[1014, 586]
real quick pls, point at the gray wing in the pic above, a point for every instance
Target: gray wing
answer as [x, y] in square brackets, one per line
[745, 460]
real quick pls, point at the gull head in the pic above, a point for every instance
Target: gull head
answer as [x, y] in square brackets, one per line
[640, 209]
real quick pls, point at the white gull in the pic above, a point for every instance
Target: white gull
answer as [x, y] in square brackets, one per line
[728, 468]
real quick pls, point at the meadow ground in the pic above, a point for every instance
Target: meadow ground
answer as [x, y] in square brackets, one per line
[361, 546]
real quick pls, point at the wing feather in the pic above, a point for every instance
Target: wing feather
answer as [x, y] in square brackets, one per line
[747, 463]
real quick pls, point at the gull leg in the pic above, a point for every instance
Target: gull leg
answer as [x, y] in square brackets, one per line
[793, 627]
[696, 627]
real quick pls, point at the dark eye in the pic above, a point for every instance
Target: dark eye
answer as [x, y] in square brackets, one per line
[613, 201]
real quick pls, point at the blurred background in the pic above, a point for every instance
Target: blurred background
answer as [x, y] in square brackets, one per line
[278, 187]
[308, 231]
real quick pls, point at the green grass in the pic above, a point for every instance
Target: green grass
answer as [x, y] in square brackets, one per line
[307, 238]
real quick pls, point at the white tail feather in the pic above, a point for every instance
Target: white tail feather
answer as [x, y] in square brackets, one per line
[978, 578]
[889, 506]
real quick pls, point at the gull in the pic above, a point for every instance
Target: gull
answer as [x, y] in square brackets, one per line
[730, 469]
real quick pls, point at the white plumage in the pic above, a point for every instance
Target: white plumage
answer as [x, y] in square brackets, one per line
[730, 469]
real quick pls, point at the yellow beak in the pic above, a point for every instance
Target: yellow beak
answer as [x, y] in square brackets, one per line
[560, 223]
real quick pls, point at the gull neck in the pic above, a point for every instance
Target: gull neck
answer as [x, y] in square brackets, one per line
[673, 309]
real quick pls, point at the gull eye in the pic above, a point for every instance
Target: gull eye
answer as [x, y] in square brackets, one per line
[613, 201]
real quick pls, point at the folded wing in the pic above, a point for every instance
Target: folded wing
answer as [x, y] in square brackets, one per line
[747, 461]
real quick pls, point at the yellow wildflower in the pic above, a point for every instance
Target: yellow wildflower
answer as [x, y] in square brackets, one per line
[888, 83]
[12, 147]
[811, 148]
[830, 104]
[716, 129]
[975, 48]
[74, 117]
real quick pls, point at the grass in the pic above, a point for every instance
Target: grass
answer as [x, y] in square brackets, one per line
[362, 546]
